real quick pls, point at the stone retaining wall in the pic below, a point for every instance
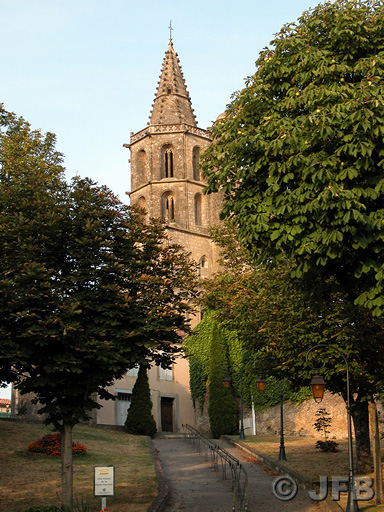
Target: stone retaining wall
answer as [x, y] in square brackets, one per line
[298, 418]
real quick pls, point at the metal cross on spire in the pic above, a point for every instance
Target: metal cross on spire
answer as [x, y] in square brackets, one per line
[170, 30]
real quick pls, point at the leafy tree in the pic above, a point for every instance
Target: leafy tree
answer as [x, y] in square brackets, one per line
[222, 408]
[299, 152]
[277, 324]
[87, 288]
[139, 418]
[30, 169]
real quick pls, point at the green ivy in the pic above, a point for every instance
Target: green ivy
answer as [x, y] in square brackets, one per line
[198, 349]
[222, 408]
[271, 396]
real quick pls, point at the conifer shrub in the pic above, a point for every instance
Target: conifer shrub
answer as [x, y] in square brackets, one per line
[322, 424]
[222, 408]
[139, 418]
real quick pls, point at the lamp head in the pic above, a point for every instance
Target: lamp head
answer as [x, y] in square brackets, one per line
[227, 381]
[317, 386]
[261, 383]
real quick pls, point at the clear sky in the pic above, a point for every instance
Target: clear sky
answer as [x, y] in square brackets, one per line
[87, 70]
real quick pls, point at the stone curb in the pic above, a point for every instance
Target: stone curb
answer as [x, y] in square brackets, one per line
[328, 505]
[160, 502]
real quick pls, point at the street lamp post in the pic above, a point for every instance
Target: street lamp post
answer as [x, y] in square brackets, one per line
[227, 383]
[317, 386]
[261, 384]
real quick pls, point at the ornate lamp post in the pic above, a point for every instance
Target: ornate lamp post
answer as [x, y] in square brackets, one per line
[261, 385]
[317, 386]
[227, 383]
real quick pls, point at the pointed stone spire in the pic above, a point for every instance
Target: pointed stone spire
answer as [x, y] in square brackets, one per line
[172, 104]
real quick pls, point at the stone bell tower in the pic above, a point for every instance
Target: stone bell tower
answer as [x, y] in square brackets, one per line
[165, 178]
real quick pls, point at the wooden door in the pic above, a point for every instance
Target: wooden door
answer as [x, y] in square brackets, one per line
[166, 414]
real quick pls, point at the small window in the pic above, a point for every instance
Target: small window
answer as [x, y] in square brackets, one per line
[203, 262]
[133, 372]
[165, 373]
[198, 219]
[169, 90]
[124, 397]
[195, 163]
[203, 268]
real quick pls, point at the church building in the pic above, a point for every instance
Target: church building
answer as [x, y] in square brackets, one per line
[165, 180]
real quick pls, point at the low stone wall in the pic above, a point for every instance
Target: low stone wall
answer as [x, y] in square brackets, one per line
[298, 418]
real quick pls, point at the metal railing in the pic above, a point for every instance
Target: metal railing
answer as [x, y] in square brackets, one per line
[219, 457]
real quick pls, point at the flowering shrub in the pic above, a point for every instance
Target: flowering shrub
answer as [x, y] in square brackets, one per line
[51, 445]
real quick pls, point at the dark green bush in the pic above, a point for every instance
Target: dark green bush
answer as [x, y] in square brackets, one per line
[139, 418]
[222, 408]
[327, 446]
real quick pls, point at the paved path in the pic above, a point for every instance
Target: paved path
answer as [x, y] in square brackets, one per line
[196, 487]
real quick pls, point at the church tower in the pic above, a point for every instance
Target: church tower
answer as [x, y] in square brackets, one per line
[165, 180]
[165, 177]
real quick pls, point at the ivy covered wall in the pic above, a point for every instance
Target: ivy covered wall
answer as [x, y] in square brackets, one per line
[200, 349]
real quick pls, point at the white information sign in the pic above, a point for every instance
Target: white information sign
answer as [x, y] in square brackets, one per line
[104, 481]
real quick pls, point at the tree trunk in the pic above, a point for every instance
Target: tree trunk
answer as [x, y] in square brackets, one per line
[375, 435]
[66, 466]
[360, 416]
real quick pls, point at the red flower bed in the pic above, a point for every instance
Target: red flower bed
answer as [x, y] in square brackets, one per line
[51, 445]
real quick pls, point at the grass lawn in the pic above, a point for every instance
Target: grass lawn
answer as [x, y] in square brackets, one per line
[29, 479]
[303, 457]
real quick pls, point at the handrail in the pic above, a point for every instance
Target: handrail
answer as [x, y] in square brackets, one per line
[216, 454]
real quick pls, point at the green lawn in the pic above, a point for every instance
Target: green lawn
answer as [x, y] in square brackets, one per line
[28, 479]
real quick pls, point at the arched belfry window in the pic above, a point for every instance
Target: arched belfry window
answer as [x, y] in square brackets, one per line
[203, 262]
[198, 217]
[168, 207]
[142, 203]
[195, 163]
[167, 164]
[203, 267]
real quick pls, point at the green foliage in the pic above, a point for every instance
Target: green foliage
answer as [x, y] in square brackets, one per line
[299, 154]
[271, 396]
[197, 347]
[87, 288]
[222, 408]
[322, 424]
[140, 419]
[276, 324]
[327, 446]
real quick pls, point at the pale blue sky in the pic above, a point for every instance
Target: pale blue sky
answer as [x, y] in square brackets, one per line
[87, 70]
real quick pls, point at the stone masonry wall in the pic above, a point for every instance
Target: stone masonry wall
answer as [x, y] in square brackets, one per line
[298, 418]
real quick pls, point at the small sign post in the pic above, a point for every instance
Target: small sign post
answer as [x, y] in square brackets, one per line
[104, 483]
